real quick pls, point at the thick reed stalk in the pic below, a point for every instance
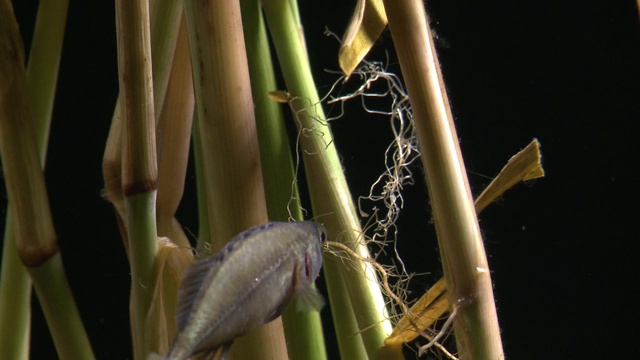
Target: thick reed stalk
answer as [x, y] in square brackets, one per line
[15, 299]
[329, 192]
[229, 142]
[34, 233]
[165, 17]
[139, 169]
[303, 330]
[42, 75]
[463, 257]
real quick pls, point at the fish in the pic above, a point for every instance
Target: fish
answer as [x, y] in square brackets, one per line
[248, 283]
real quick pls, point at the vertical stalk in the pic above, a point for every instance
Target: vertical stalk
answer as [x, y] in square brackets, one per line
[174, 136]
[42, 75]
[35, 236]
[15, 299]
[229, 142]
[204, 231]
[165, 17]
[329, 192]
[303, 330]
[463, 257]
[139, 168]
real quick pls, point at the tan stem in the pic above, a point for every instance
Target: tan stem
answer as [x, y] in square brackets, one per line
[464, 260]
[175, 131]
[232, 171]
[139, 167]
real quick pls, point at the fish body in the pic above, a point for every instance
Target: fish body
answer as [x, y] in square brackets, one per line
[247, 284]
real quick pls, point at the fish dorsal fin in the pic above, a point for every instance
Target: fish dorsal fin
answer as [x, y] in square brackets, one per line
[192, 284]
[247, 233]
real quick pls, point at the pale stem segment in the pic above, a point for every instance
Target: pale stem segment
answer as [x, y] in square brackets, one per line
[139, 167]
[165, 17]
[303, 330]
[229, 143]
[174, 136]
[42, 75]
[36, 240]
[462, 251]
[330, 195]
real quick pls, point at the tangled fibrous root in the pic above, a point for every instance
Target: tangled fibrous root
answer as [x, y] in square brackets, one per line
[395, 295]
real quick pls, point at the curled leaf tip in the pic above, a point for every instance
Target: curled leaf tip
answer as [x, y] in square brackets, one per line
[366, 25]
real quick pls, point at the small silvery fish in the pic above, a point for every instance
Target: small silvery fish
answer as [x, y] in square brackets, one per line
[247, 284]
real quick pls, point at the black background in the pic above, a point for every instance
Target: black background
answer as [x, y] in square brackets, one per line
[563, 249]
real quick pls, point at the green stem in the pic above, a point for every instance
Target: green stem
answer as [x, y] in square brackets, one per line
[346, 326]
[15, 300]
[42, 74]
[303, 330]
[67, 330]
[329, 192]
[44, 61]
[139, 162]
[35, 237]
[141, 227]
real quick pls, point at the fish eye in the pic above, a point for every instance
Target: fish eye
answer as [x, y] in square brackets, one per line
[323, 236]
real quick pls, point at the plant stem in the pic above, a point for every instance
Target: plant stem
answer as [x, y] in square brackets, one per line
[42, 74]
[139, 168]
[15, 299]
[303, 330]
[203, 243]
[66, 326]
[174, 136]
[35, 236]
[165, 17]
[464, 260]
[346, 326]
[229, 142]
[141, 229]
[329, 192]
[44, 61]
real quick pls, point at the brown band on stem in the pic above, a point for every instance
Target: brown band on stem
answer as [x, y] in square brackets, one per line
[139, 187]
[33, 256]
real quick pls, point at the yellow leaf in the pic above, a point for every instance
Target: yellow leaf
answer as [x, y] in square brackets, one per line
[525, 165]
[279, 96]
[171, 261]
[366, 25]
[429, 308]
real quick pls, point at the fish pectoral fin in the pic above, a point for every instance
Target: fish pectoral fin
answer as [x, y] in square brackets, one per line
[309, 299]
